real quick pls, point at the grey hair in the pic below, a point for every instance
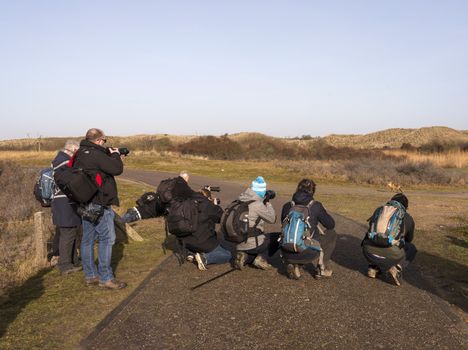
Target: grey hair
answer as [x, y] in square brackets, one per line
[184, 174]
[71, 145]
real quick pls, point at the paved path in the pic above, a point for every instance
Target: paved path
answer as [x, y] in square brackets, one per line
[256, 309]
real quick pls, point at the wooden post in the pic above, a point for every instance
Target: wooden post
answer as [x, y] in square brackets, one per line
[40, 242]
[133, 234]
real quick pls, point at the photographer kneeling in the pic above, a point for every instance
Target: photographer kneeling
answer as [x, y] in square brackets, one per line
[255, 249]
[101, 164]
[203, 243]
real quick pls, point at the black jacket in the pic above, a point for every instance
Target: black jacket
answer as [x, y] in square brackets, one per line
[317, 212]
[182, 190]
[63, 209]
[96, 162]
[204, 240]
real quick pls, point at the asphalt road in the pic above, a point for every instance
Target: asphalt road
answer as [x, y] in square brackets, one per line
[256, 309]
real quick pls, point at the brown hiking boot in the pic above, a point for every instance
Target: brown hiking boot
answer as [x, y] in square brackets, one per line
[261, 263]
[293, 271]
[112, 284]
[239, 262]
[93, 281]
[395, 274]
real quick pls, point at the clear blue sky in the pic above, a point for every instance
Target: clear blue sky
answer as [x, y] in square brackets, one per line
[283, 68]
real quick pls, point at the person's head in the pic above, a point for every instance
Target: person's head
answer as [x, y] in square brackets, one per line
[402, 199]
[259, 186]
[96, 136]
[71, 146]
[184, 175]
[306, 185]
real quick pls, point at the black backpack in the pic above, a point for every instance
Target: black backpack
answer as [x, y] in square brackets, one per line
[182, 219]
[164, 190]
[75, 183]
[149, 206]
[235, 222]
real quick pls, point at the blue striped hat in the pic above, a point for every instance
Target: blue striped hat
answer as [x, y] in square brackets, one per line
[259, 186]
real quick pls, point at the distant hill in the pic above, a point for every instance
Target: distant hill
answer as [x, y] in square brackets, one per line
[394, 138]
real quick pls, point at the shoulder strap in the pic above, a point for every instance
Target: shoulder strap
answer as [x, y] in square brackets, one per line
[61, 164]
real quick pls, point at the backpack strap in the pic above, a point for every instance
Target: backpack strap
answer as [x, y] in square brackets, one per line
[60, 165]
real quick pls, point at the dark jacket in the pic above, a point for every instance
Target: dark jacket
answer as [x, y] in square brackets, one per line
[204, 240]
[182, 190]
[63, 209]
[96, 162]
[317, 212]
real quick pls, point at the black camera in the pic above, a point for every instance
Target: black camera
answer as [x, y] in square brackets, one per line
[212, 188]
[124, 151]
[269, 195]
[91, 213]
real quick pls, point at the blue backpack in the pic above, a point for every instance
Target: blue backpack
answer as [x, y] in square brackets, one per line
[44, 187]
[385, 223]
[295, 228]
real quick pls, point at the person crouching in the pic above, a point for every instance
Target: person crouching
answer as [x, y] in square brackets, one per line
[203, 244]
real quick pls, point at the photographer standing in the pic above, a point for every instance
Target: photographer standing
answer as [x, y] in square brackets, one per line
[64, 216]
[101, 164]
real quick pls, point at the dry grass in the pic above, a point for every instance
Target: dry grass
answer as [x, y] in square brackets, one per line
[17, 206]
[394, 138]
[50, 311]
[29, 158]
[450, 159]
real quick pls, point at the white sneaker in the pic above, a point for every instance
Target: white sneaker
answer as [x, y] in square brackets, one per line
[54, 261]
[200, 263]
[372, 273]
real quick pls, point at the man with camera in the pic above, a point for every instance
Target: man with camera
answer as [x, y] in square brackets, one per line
[101, 164]
[203, 243]
[254, 250]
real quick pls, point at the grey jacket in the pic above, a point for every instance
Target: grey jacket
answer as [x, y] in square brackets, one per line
[257, 210]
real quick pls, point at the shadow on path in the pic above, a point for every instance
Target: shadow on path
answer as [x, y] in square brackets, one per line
[348, 253]
[17, 298]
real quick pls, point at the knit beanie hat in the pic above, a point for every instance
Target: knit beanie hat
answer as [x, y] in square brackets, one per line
[259, 186]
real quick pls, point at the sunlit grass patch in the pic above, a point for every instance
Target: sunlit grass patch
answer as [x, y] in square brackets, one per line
[55, 312]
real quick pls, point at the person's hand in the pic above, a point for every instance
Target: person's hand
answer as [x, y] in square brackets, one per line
[113, 150]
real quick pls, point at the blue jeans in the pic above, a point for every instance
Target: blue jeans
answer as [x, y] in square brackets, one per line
[104, 232]
[219, 255]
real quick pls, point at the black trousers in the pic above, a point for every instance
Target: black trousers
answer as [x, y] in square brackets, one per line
[68, 244]
[270, 245]
[385, 258]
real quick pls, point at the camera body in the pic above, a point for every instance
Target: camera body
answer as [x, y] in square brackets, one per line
[124, 151]
[212, 188]
[91, 212]
[269, 195]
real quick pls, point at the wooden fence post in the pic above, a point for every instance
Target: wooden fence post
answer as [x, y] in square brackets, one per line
[132, 233]
[40, 242]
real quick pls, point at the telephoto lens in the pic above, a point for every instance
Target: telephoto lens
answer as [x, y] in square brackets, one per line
[124, 151]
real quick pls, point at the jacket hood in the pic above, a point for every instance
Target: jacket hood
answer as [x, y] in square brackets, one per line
[302, 197]
[249, 195]
[60, 158]
[89, 144]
